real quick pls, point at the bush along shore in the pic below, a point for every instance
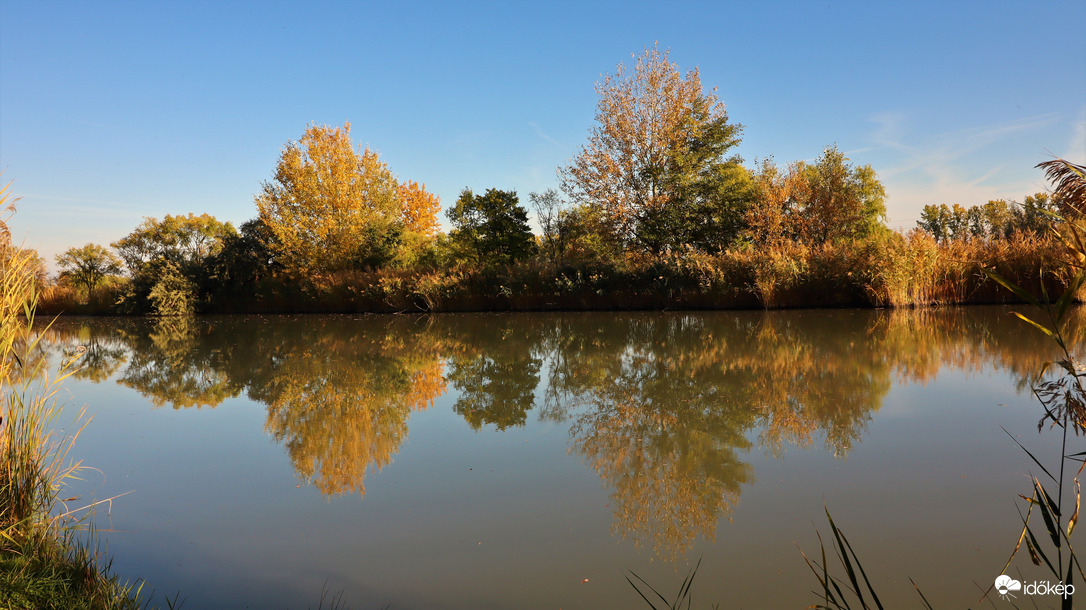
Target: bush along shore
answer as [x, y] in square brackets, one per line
[890, 270]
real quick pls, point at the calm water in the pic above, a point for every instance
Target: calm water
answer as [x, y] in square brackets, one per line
[532, 460]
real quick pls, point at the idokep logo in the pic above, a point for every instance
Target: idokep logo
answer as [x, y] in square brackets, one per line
[1005, 586]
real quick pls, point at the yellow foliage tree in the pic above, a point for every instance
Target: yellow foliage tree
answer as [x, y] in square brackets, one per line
[330, 205]
[419, 208]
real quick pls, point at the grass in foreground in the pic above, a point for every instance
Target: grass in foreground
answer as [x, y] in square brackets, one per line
[43, 565]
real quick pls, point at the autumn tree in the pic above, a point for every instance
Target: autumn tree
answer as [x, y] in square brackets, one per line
[815, 202]
[491, 228]
[774, 214]
[654, 170]
[88, 266]
[419, 208]
[840, 200]
[331, 206]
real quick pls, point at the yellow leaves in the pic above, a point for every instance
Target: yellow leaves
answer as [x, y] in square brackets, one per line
[330, 205]
[646, 117]
[419, 208]
[324, 198]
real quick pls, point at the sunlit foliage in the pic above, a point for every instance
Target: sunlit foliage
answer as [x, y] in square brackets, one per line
[331, 206]
[183, 240]
[815, 203]
[654, 173]
[995, 220]
[419, 208]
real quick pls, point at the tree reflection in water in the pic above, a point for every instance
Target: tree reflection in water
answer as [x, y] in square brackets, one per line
[663, 406]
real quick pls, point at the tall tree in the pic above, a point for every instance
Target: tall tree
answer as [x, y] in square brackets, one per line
[328, 202]
[88, 266]
[654, 167]
[491, 228]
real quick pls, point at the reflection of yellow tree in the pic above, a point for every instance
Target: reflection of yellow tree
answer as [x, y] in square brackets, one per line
[340, 402]
[812, 372]
[662, 425]
[673, 474]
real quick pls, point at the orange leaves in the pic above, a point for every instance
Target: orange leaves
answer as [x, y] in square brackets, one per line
[325, 198]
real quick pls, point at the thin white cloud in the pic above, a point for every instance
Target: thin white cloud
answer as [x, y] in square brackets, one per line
[941, 151]
[942, 168]
[1076, 147]
[539, 132]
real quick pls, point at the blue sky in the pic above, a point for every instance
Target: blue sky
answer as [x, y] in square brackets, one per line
[112, 111]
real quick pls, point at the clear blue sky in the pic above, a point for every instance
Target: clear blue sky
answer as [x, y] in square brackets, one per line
[112, 111]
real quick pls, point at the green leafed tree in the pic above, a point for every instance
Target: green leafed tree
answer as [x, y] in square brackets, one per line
[158, 252]
[491, 228]
[88, 266]
[185, 241]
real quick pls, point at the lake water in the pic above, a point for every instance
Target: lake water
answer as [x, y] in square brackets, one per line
[536, 460]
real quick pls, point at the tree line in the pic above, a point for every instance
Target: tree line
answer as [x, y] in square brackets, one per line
[656, 188]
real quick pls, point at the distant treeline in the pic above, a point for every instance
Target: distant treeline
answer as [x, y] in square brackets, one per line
[654, 212]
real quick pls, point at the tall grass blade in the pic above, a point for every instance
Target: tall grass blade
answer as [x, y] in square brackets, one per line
[1036, 325]
[683, 594]
[1015, 288]
[1049, 512]
[1031, 456]
[927, 604]
[1074, 517]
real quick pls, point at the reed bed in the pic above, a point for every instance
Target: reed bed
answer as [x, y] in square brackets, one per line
[889, 270]
[43, 562]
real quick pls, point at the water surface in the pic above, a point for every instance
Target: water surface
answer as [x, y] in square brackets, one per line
[534, 460]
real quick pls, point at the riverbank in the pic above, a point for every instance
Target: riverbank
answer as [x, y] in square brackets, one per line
[905, 271]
